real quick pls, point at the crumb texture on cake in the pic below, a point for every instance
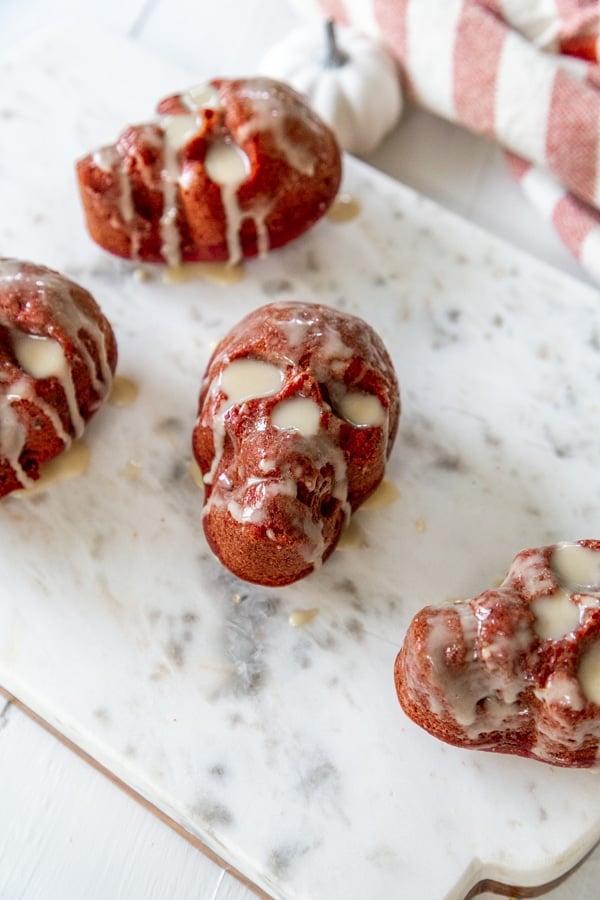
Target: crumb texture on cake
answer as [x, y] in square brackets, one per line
[517, 668]
[228, 169]
[57, 358]
[298, 412]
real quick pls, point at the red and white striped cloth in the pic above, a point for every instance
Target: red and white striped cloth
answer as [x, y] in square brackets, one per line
[523, 72]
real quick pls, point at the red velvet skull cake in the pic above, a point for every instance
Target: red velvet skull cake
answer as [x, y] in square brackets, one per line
[57, 358]
[298, 411]
[230, 169]
[516, 669]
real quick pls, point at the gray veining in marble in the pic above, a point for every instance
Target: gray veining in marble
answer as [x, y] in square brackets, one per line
[284, 749]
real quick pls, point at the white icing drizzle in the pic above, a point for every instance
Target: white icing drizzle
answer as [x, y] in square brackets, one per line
[263, 489]
[340, 491]
[259, 217]
[201, 96]
[238, 381]
[228, 166]
[533, 574]
[177, 130]
[42, 356]
[565, 690]
[268, 112]
[313, 547]
[480, 695]
[109, 160]
[233, 223]
[23, 389]
[218, 435]
[295, 330]
[12, 438]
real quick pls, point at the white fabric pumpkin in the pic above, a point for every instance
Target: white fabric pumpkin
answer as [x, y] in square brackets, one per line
[350, 81]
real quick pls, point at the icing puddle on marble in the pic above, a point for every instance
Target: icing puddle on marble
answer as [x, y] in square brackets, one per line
[192, 688]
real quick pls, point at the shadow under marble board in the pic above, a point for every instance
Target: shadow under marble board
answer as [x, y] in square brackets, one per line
[284, 749]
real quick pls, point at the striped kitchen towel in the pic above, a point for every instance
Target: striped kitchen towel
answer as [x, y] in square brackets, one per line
[522, 72]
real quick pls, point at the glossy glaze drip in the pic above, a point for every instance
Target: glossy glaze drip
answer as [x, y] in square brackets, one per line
[72, 463]
[201, 96]
[300, 617]
[344, 208]
[269, 109]
[177, 131]
[12, 437]
[109, 160]
[228, 166]
[124, 391]
[480, 696]
[385, 495]
[216, 272]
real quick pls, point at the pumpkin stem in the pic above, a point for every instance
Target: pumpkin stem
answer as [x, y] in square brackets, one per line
[335, 58]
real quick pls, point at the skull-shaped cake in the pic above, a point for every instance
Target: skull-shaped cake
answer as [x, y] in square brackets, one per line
[298, 411]
[58, 354]
[516, 669]
[228, 169]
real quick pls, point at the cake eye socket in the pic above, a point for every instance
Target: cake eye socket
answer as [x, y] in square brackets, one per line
[359, 408]
[39, 356]
[226, 163]
[299, 414]
[250, 379]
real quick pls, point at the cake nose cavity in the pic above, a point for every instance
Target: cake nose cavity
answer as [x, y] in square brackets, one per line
[555, 616]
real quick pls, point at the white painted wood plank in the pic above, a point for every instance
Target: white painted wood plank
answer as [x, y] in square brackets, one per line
[225, 38]
[19, 18]
[68, 832]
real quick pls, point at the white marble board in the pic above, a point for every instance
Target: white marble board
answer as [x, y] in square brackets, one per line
[283, 749]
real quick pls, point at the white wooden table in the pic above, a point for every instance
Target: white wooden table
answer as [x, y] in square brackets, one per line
[67, 832]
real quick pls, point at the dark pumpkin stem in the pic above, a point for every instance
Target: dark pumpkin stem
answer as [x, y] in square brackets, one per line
[335, 58]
